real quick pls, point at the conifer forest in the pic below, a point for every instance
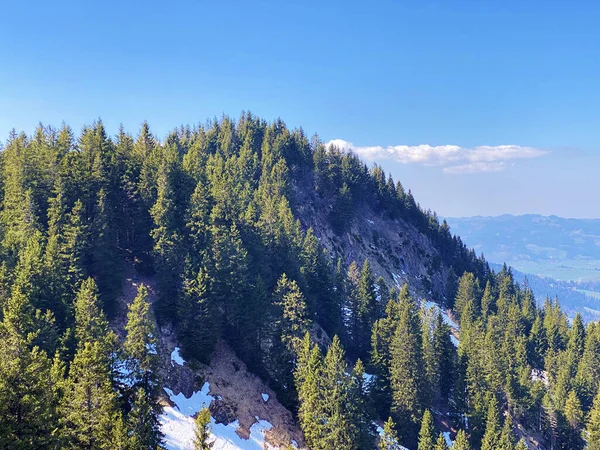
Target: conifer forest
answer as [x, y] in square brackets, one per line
[245, 226]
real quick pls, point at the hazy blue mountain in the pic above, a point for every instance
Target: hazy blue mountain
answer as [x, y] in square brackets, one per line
[559, 257]
[563, 249]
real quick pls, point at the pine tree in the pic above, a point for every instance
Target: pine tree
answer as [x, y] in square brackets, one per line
[593, 425]
[366, 311]
[468, 291]
[294, 322]
[28, 414]
[167, 240]
[389, 438]
[199, 318]
[338, 432]
[89, 410]
[202, 438]
[507, 437]
[406, 368]
[308, 378]
[443, 355]
[461, 442]
[140, 347]
[441, 444]
[360, 406]
[427, 433]
[492, 426]
[90, 323]
[574, 418]
[521, 445]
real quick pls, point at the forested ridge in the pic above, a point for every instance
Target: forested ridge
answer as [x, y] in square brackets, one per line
[213, 213]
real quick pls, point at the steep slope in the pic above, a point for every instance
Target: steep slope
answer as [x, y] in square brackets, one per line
[245, 412]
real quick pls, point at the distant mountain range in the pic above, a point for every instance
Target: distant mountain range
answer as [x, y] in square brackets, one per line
[563, 249]
[559, 257]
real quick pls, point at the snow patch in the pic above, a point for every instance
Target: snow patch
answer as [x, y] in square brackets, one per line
[447, 320]
[190, 406]
[265, 397]
[124, 375]
[397, 280]
[540, 375]
[176, 357]
[380, 432]
[178, 425]
[454, 340]
[151, 349]
[371, 222]
[446, 435]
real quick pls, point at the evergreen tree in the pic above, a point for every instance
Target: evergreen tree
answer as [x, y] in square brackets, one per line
[366, 311]
[359, 403]
[140, 346]
[89, 412]
[294, 322]
[427, 433]
[28, 413]
[338, 432]
[440, 444]
[507, 438]
[406, 368]
[202, 438]
[199, 318]
[521, 445]
[593, 425]
[389, 438]
[461, 442]
[492, 426]
[308, 379]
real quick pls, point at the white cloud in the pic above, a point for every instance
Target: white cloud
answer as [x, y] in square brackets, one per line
[496, 166]
[453, 158]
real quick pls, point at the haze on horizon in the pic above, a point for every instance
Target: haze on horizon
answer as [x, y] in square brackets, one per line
[478, 108]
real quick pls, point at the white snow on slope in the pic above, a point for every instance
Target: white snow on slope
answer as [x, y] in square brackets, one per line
[380, 433]
[454, 341]
[178, 425]
[447, 320]
[176, 357]
[265, 397]
[397, 280]
[446, 435]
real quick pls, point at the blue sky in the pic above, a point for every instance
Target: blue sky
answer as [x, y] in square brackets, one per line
[384, 76]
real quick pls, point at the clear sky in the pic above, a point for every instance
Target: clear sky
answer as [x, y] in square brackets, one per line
[480, 107]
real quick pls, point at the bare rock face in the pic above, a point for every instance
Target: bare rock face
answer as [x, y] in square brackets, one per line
[222, 412]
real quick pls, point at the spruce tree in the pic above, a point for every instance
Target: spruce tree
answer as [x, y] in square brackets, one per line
[461, 442]
[28, 394]
[308, 378]
[593, 425]
[406, 368]
[338, 432]
[521, 445]
[202, 437]
[366, 311]
[441, 444]
[359, 402]
[199, 318]
[294, 322]
[507, 437]
[140, 347]
[492, 426]
[388, 440]
[427, 433]
[89, 411]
